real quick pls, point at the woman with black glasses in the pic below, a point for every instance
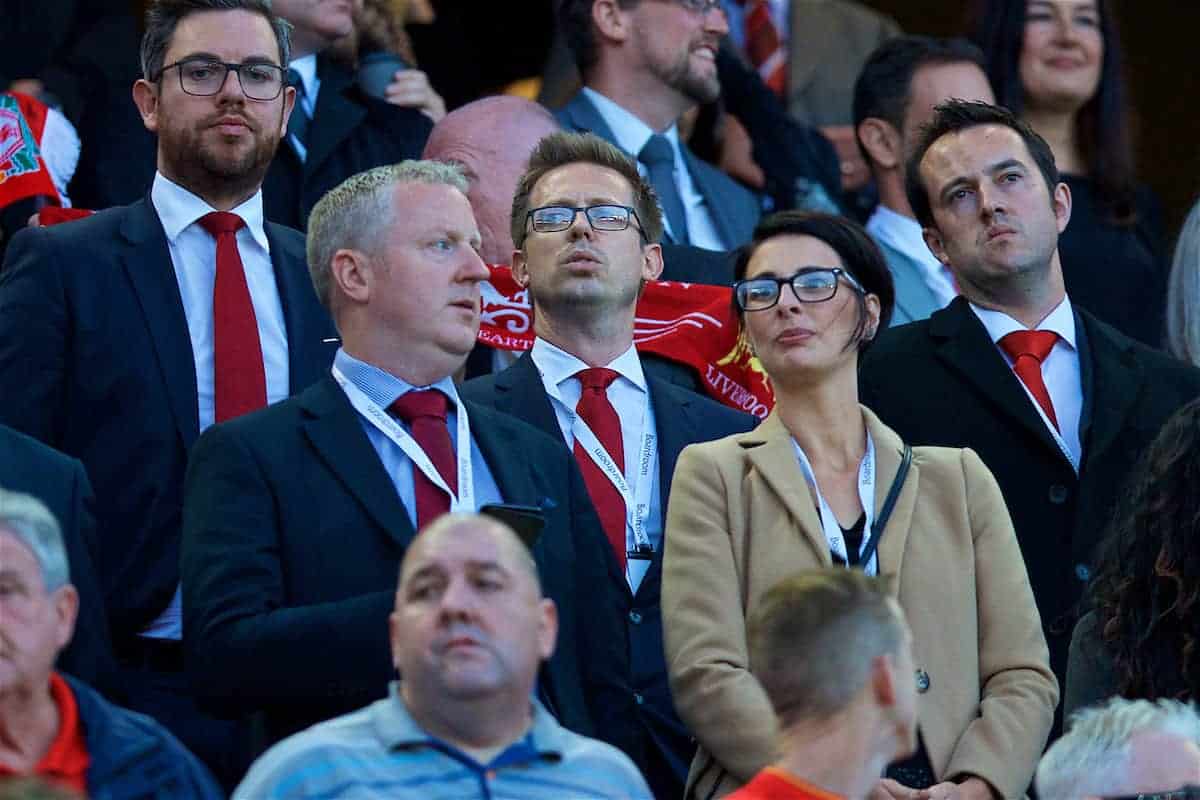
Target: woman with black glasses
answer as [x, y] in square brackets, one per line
[823, 482]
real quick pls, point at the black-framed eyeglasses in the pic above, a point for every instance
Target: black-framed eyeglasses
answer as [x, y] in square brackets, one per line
[1189, 792]
[606, 217]
[809, 284]
[204, 77]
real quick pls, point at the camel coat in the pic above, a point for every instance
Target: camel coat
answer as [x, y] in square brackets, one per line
[741, 518]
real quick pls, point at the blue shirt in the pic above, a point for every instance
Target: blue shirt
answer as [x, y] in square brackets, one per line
[380, 752]
[383, 388]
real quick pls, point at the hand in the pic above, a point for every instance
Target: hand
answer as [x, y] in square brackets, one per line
[30, 86]
[410, 88]
[888, 789]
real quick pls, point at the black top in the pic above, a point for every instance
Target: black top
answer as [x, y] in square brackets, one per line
[854, 539]
[1119, 273]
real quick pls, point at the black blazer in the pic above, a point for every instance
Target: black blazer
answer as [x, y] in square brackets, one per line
[351, 131]
[27, 465]
[642, 716]
[734, 209]
[95, 350]
[293, 536]
[941, 381]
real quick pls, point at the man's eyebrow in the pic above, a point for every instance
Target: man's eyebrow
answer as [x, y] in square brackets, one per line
[257, 58]
[1007, 163]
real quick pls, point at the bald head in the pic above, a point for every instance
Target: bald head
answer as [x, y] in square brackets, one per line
[511, 552]
[492, 139]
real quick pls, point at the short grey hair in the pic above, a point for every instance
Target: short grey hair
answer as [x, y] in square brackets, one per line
[1183, 293]
[351, 215]
[1093, 757]
[27, 518]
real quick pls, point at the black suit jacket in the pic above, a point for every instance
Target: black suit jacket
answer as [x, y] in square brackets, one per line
[643, 713]
[27, 465]
[293, 536]
[94, 346]
[941, 381]
[350, 132]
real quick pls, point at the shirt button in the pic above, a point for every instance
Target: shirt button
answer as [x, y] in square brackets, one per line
[1083, 572]
[637, 698]
[922, 681]
[1058, 494]
[635, 617]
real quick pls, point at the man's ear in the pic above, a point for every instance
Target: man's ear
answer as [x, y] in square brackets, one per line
[652, 262]
[1061, 203]
[289, 105]
[145, 97]
[518, 266]
[611, 21]
[881, 142]
[933, 240]
[883, 681]
[352, 272]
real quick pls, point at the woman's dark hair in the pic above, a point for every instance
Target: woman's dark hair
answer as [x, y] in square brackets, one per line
[1102, 125]
[859, 253]
[1147, 587]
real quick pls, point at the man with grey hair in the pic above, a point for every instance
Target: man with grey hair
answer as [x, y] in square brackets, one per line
[126, 334]
[469, 630]
[296, 517]
[1124, 748]
[53, 726]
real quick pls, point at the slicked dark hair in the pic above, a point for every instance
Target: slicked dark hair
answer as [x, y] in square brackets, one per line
[164, 16]
[1103, 124]
[575, 22]
[884, 86]
[858, 251]
[565, 147]
[959, 115]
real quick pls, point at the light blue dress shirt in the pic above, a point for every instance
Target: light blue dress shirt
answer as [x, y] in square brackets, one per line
[384, 388]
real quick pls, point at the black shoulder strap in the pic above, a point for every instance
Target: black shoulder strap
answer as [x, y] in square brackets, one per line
[889, 503]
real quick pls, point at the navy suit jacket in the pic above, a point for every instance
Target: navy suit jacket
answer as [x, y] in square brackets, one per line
[350, 132]
[735, 210]
[643, 713]
[942, 382]
[27, 465]
[293, 536]
[97, 362]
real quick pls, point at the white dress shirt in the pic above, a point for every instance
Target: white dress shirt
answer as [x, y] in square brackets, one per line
[194, 258]
[903, 234]
[630, 396]
[631, 135]
[1060, 371]
[306, 66]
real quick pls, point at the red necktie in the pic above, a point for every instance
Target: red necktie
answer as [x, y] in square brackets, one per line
[239, 380]
[764, 47]
[600, 416]
[425, 413]
[1028, 349]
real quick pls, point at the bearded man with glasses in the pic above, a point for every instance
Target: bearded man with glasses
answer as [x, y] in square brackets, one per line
[586, 227]
[124, 335]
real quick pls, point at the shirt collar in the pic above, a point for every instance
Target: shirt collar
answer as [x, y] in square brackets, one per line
[631, 133]
[1061, 320]
[557, 365]
[306, 68]
[902, 233]
[397, 730]
[179, 208]
[383, 387]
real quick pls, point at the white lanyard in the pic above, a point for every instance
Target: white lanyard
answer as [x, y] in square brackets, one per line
[464, 500]
[866, 495]
[1050, 426]
[637, 497]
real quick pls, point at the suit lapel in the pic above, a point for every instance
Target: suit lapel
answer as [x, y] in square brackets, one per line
[309, 356]
[519, 392]
[963, 344]
[1112, 381]
[771, 452]
[580, 115]
[334, 429]
[147, 261]
[889, 450]
[705, 180]
[334, 118]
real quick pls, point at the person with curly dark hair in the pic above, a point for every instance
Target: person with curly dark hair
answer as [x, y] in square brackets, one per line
[1142, 638]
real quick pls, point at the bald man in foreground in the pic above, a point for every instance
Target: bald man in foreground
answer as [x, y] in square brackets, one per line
[469, 631]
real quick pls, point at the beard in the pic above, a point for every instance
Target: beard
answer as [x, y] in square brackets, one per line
[210, 164]
[694, 85]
